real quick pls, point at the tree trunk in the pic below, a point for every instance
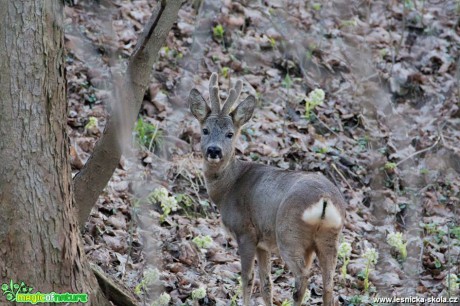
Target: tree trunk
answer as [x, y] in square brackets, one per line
[39, 237]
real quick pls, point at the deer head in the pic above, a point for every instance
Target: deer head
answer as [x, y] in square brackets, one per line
[220, 125]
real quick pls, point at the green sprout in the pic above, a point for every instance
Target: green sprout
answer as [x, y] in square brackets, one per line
[272, 42]
[316, 6]
[408, 4]
[383, 52]
[163, 300]
[371, 255]
[184, 199]
[396, 241]
[150, 277]
[456, 232]
[390, 166]
[199, 293]
[225, 71]
[147, 134]
[203, 242]
[349, 23]
[314, 98]
[168, 203]
[451, 282]
[92, 123]
[238, 293]
[344, 254]
[287, 82]
[356, 300]
[218, 32]
[286, 303]
[424, 171]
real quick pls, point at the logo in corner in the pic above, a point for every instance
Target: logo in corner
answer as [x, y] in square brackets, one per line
[12, 289]
[21, 293]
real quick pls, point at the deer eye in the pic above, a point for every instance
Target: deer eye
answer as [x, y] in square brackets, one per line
[229, 135]
[205, 131]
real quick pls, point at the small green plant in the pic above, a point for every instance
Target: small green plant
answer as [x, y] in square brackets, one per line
[218, 32]
[437, 263]
[225, 71]
[371, 255]
[321, 150]
[147, 134]
[286, 303]
[431, 228]
[383, 52]
[456, 232]
[314, 98]
[203, 242]
[451, 282]
[168, 203]
[409, 4]
[344, 254]
[396, 241]
[348, 23]
[287, 82]
[199, 294]
[356, 300]
[316, 6]
[92, 123]
[424, 171]
[310, 51]
[363, 143]
[272, 42]
[390, 167]
[238, 293]
[184, 199]
[150, 277]
[163, 300]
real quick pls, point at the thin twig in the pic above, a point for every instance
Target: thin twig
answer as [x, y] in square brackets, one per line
[419, 152]
[342, 176]
[448, 146]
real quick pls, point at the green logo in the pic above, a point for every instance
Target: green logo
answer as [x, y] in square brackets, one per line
[21, 293]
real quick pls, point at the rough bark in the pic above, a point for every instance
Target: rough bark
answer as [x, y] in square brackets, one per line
[91, 180]
[39, 238]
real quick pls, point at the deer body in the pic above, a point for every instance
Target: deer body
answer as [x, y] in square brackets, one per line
[264, 208]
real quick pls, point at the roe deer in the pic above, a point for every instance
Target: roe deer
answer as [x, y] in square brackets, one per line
[265, 208]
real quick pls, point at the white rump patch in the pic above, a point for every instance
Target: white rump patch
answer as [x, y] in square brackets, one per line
[312, 215]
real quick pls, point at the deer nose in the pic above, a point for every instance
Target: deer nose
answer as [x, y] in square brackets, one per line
[214, 152]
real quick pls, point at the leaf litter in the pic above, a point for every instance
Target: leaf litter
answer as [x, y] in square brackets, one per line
[387, 134]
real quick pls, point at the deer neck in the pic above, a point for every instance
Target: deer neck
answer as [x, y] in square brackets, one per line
[219, 180]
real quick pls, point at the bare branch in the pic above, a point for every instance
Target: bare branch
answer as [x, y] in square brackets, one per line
[91, 180]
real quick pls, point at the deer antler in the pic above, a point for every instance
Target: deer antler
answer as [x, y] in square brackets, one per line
[214, 94]
[232, 97]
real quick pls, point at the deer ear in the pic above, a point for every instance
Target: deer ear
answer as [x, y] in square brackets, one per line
[244, 111]
[198, 105]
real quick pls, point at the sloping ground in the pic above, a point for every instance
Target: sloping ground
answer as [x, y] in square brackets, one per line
[387, 134]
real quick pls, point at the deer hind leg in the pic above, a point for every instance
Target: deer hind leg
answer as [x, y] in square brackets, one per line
[263, 258]
[299, 261]
[301, 278]
[327, 246]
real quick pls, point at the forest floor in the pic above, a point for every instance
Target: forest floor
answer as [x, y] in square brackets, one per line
[386, 134]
